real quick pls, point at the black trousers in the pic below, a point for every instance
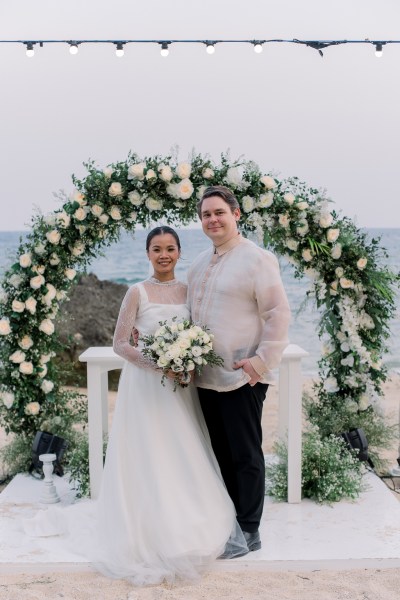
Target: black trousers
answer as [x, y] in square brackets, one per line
[234, 423]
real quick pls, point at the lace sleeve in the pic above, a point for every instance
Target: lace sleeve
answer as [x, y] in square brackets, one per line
[123, 331]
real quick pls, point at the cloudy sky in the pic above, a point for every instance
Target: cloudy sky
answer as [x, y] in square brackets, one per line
[331, 121]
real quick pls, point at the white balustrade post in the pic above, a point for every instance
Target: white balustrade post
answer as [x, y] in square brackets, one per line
[290, 415]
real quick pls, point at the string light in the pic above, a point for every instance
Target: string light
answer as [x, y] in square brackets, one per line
[120, 49]
[210, 47]
[29, 50]
[378, 49]
[73, 48]
[164, 49]
[258, 48]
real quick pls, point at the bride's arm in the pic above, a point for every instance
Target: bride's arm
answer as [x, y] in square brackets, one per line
[123, 331]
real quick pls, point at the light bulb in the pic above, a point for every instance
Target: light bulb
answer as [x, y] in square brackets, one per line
[120, 50]
[258, 48]
[378, 50]
[73, 49]
[29, 50]
[164, 49]
[210, 49]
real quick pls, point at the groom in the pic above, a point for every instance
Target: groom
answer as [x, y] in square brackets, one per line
[235, 289]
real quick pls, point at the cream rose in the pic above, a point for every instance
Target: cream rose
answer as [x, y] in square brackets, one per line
[233, 176]
[185, 189]
[302, 205]
[332, 235]
[336, 251]
[325, 220]
[37, 281]
[292, 244]
[26, 368]
[30, 305]
[346, 283]
[7, 398]
[18, 306]
[135, 198]
[25, 260]
[77, 196]
[200, 192]
[5, 328]
[45, 358]
[40, 269]
[26, 342]
[183, 170]
[104, 219]
[40, 249]
[289, 197]
[54, 260]
[362, 263]
[16, 280]
[108, 171]
[136, 171]
[50, 295]
[70, 274]
[47, 326]
[47, 386]
[3, 296]
[32, 408]
[153, 204]
[339, 272]
[247, 204]
[17, 357]
[53, 236]
[151, 174]
[115, 189]
[208, 173]
[307, 255]
[268, 182]
[63, 219]
[80, 214]
[115, 213]
[265, 200]
[166, 173]
[284, 220]
[97, 210]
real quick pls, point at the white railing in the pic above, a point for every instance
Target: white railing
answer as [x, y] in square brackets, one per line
[101, 360]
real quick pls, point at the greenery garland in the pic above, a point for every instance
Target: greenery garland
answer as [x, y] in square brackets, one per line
[349, 281]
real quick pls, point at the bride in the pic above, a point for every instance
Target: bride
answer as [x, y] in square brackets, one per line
[163, 510]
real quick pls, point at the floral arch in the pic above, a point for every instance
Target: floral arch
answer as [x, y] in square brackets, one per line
[351, 286]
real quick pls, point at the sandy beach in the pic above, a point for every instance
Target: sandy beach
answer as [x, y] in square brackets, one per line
[226, 581]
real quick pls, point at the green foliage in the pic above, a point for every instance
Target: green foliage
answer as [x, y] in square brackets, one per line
[78, 464]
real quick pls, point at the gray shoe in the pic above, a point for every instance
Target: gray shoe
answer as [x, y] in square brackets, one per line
[232, 551]
[253, 540]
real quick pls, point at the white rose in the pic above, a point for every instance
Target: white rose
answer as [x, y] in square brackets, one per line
[185, 189]
[247, 204]
[162, 362]
[115, 189]
[3, 296]
[206, 338]
[78, 249]
[325, 220]
[362, 263]
[32, 408]
[346, 283]
[135, 198]
[307, 255]
[208, 173]
[268, 182]
[115, 213]
[196, 351]
[53, 236]
[165, 173]
[292, 244]
[47, 386]
[198, 360]
[153, 204]
[54, 260]
[336, 251]
[136, 171]
[96, 210]
[30, 305]
[284, 220]
[51, 294]
[16, 280]
[132, 217]
[302, 205]
[37, 281]
[26, 368]
[45, 358]
[172, 190]
[108, 171]
[183, 170]
[7, 398]
[25, 260]
[47, 326]
[5, 328]
[339, 272]
[332, 235]
[265, 200]
[200, 192]
[17, 357]
[26, 342]
[18, 306]
[151, 174]
[104, 219]
[70, 274]
[233, 176]
[80, 214]
[63, 219]
[40, 249]
[289, 198]
[40, 269]
[331, 385]
[190, 366]
[77, 196]
[348, 361]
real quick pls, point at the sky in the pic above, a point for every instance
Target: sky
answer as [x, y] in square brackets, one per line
[332, 121]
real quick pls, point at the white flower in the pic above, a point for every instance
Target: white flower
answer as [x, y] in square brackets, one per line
[104, 219]
[5, 328]
[268, 182]
[18, 306]
[284, 220]
[346, 283]
[344, 346]
[184, 189]
[362, 263]
[30, 305]
[233, 176]
[70, 274]
[331, 385]
[332, 235]
[43, 371]
[336, 251]
[247, 204]
[348, 361]
[63, 219]
[153, 204]
[302, 205]
[47, 386]
[183, 170]
[78, 249]
[25, 260]
[200, 191]
[108, 171]
[3, 296]
[40, 269]
[54, 260]
[7, 398]
[80, 214]
[77, 196]
[135, 198]
[208, 173]
[151, 174]
[325, 220]
[136, 171]
[51, 294]
[115, 213]
[32, 408]
[307, 255]
[45, 358]
[53, 236]
[37, 281]
[333, 288]
[97, 210]
[190, 366]
[289, 197]
[162, 362]
[26, 342]
[292, 244]
[172, 190]
[132, 217]
[265, 200]
[47, 326]
[339, 271]
[17, 357]
[364, 402]
[196, 351]
[40, 249]
[26, 368]
[115, 189]
[166, 173]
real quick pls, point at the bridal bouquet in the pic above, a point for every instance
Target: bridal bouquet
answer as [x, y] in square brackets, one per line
[181, 347]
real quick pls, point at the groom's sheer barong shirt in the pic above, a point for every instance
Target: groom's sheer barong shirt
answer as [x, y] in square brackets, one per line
[237, 292]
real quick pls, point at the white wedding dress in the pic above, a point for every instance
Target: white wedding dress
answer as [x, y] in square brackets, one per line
[163, 510]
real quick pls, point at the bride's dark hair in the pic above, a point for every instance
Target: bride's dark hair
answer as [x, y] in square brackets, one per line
[160, 231]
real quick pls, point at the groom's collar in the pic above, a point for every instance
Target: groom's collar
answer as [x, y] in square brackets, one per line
[223, 248]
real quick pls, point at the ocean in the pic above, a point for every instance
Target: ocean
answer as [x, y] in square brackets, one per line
[126, 262]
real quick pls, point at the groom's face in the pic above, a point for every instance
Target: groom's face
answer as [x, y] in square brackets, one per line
[218, 221]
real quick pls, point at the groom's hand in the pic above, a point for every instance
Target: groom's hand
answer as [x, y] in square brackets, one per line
[247, 367]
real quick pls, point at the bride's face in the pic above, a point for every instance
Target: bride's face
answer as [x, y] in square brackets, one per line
[163, 254]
